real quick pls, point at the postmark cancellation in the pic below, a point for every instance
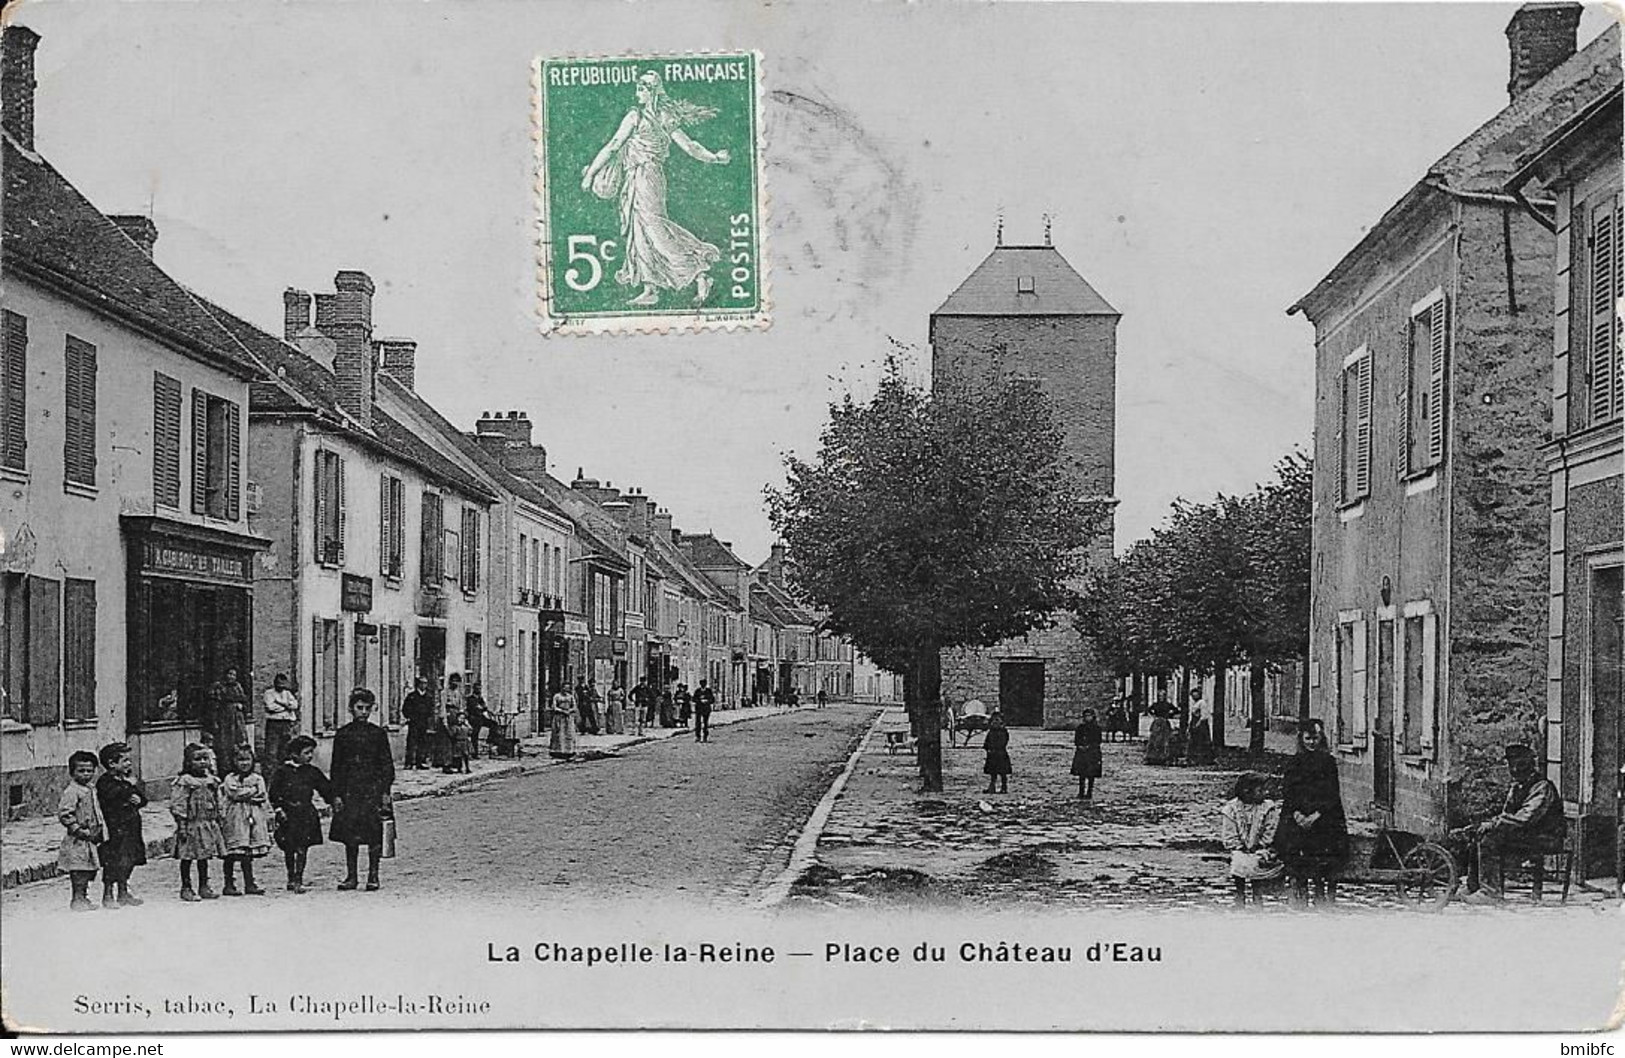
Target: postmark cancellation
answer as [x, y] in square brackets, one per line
[650, 197]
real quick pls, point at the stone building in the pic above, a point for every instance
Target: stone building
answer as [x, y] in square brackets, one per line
[1430, 571]
[125, 550]
[1026, 312]
[1577, 164]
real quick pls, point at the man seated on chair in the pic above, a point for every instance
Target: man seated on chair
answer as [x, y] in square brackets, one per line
[1530, 824]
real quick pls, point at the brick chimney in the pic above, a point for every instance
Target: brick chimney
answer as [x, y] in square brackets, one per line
[295, 313]
[660, 523]
[507, 437]
[398, 358]
[1540, 38]
[640, 508]
[346, 317]
[140, 230]
[17, 83]
[775, 564]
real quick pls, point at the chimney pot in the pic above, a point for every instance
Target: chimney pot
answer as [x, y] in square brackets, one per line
[140, 230]
[17, 83]
[1540, 38]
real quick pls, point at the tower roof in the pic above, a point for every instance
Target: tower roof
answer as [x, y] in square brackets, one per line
[1025, 281]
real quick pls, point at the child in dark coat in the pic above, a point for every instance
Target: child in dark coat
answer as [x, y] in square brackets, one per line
[125, 849]
[997, 746]
[293, 788]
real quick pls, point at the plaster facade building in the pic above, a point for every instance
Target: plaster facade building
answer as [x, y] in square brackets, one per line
[125, 546]
[1025, 312]
[1431, 567]
[1577, 165]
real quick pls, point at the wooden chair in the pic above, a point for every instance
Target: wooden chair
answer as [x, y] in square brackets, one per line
[1532, 867]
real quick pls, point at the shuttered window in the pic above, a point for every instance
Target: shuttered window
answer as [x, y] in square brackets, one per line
[432, 541]
[1354, 430]
[79, 649]
[329, 521]
[1352, 686]
[469, 577]
[79, 420]
[166, 440]
[1422, 440]
[216, 456]
[326, 648]
[391, 525]
[14, 394]
[1606, 283]
[15, 657]
[43, 687]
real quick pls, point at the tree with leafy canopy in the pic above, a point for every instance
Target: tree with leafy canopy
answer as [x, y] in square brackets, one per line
[936, 519]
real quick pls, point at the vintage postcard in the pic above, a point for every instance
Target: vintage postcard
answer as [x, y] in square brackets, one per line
[718, 514]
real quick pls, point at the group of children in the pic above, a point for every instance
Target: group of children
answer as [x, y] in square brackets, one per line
[229, 819]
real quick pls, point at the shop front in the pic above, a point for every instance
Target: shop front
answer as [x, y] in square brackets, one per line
[190, 620]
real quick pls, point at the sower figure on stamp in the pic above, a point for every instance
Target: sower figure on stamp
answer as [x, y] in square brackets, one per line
[1530, 823]
[658, 252]
[363, 772]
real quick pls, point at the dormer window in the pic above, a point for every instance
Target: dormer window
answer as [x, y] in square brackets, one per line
[1024, 285]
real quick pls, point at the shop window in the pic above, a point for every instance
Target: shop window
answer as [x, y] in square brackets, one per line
[329, 520]
[14, 394]
[216, 456]
[79, 413]
[79, 649]
[166, 440]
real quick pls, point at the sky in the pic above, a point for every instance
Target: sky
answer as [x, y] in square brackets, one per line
[1204, 165]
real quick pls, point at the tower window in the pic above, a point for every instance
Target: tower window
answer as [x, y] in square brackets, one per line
[1024, 285]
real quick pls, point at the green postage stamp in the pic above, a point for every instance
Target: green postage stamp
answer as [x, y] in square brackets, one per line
[650, 187]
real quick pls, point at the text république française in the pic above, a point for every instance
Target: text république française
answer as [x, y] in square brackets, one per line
[847, 953]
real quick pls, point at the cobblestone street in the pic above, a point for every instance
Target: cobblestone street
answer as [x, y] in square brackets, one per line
[1146, 841]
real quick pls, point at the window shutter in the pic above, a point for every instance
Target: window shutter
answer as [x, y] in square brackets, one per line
[1430, 681]
[321, 484]
[1362, 453]
[1343, 396]
[338, 499]
[1604, 331]
[1618, 367]
[14, 384]
[200, 451]
[44, 652]
[79, 649]
[429, 543]
[1359, 709]
[234, 461]
[79, 419]
[1407, 410]
[166, 440]
[383, 524]
[1436, 395]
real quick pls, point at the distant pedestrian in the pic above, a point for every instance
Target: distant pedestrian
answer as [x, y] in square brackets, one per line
[479, 719]
[562, 722]
[1086, 758]
[704, 699]
[245, 822]
[460, 742]
[685, 705]
[823, 697]
[280, 708]
[80, 814]
[194, 801]
[668, 708]
[363, 772]
[293, 788]
[1199, 741]
[615, 709]
[228, 704]
[643, 701]
[418, 710]
[1247, 826]
[585, 709]
[996, 745]
[121, 800]
[1159, 745]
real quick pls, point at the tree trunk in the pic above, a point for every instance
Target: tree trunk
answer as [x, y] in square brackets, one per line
[1137, 693]
[1185, 699]
[928, 694]
[911, 703]
[1218, 707]
[1255, 687]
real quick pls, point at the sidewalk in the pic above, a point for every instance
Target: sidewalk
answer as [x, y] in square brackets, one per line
[28, 846]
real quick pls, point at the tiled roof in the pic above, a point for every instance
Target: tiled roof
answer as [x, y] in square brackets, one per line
[707, 552]
[55, 234]
[299, 384]
[999, 287]
[1485, 161]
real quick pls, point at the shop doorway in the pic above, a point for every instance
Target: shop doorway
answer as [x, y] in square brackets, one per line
[431, 657]
[1382, 735]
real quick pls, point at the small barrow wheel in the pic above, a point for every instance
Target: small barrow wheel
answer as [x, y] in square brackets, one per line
[1430, 876]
